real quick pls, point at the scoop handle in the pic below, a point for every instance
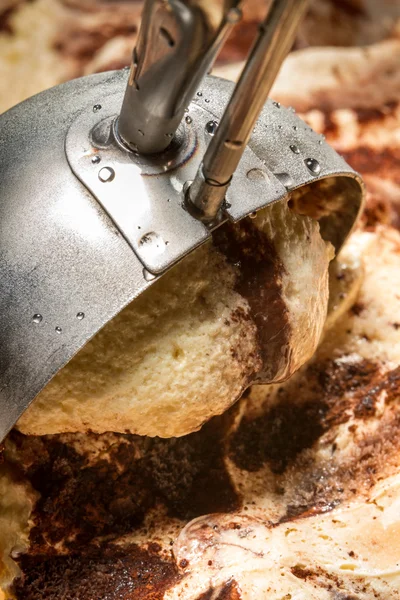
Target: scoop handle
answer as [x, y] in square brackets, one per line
[177, 43]
[277, 34]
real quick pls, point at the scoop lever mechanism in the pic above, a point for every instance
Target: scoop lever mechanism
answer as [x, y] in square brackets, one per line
[177, 44]
[277, 34]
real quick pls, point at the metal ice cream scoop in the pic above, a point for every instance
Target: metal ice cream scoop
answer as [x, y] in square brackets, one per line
[98, 201]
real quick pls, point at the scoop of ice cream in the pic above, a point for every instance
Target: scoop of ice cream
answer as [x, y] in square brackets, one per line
[250, 306]
[294, 493]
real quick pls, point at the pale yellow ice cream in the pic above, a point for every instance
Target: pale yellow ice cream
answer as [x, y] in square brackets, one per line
[311, 488]
[251, 306]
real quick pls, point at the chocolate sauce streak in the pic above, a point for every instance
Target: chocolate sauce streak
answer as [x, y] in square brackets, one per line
[382, 163]
[5, 21]
[85, 500]
[230, 591]
[87, 503]
[328, 395]
[260, 283]
[82, 500]
[104, 572]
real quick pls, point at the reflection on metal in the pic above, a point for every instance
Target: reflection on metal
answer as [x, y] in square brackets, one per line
[177, 44]
[81, 250]
[276, 37]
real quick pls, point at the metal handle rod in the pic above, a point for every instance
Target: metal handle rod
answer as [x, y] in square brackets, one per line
[277, 34]
[177, 43]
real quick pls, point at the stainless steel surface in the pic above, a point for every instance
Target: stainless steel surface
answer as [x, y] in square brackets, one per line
[62, 256]
[144, 195]
[177, 43]
[275, 39]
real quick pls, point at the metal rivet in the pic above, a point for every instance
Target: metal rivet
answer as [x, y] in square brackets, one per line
[106, 174]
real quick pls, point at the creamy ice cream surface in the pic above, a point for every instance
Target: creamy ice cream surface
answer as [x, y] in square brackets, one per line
[248, 307]
[293, 492]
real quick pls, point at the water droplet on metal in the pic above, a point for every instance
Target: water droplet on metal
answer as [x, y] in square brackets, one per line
[257, 175]
[211, 127]
[58, 330]
[37, 318]
[96, 159]
[277, 104]
[313, 166]
[279, 126]
[294, 149]
[106, 174]
[148, 276]
[285, 179]
[295, 127]
[152, 244]
[96, 108]
[207, 100]
[253, 215]
[188, 120]
[200, 94]
[140, 132]
[320, 142]
[80, 316]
